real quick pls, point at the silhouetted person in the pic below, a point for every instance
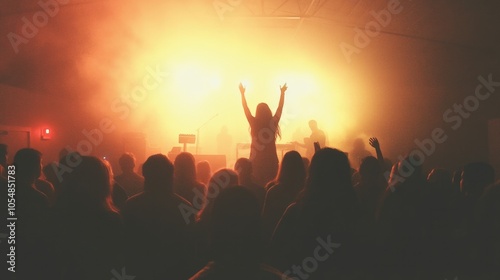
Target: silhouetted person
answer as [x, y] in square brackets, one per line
[306, 162]
[476, 177]
[31, 210]
[89, 228]
[49, 170]
[404, 223]
[394, 179]
[203, 172]
[50, 173]
[317, 135]
[284, 190]
[372, 183]
[321, 223]
[41, 185]
[358, 153]
[439, 199]
[264, 128]
[384, 163]
[370, 189]
[440, 180]
[67, 162]
[160, 244]
[243, 167]
[47, 189]
[118, 194]
[236, 247]
[356, 178]
[185, 182]
[222, 179]
[131, 182]
[487, 243]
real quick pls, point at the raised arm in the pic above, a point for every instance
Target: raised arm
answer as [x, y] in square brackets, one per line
[375, 144]
[248, 114]
[279, 111]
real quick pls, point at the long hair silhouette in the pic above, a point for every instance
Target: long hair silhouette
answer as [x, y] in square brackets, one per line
[265, 122]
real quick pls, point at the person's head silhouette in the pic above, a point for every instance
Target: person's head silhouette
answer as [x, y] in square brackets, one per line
[313, 125]
[476, 176]
[369, 169]
[292, 170]
[90, 184]
[329, 173]
[203, 171]
[158, 174]
[127, 162]
[235, 227]
[185, 167]
[243, 167]
[265, 125]
[263, 112]
[28, 163]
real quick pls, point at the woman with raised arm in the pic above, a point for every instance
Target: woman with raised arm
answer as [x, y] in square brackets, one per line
[264, 128]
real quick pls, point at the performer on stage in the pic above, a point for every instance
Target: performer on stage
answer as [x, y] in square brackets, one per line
[264, 128]
[317, 135]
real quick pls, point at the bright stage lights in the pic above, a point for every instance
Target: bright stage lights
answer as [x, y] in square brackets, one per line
[192, 79]
[199, 89]
[214, 81]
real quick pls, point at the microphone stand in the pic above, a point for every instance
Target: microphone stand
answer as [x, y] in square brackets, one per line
[198, 131]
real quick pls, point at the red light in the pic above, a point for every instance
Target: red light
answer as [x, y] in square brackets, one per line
[46, 134]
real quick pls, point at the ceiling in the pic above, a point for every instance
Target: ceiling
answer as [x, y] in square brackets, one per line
[470, 25]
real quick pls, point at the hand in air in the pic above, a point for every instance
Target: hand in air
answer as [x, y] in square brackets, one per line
[242, 88]
[283, 88]
[374, 142]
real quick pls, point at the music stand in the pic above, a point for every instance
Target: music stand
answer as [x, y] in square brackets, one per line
[186, 139]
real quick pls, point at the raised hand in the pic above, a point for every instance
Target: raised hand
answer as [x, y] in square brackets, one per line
[279, 110]
[242, 88]
[374, 143]
[283, 88]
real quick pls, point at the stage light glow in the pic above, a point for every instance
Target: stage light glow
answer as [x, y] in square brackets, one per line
[198, 91]
[206, 65]
[214, 81]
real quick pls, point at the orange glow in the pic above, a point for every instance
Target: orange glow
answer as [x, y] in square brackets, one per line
[198, 92]
[206, 61]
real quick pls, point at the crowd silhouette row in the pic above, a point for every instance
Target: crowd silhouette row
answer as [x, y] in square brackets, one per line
[265, 219]
[180, 221]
